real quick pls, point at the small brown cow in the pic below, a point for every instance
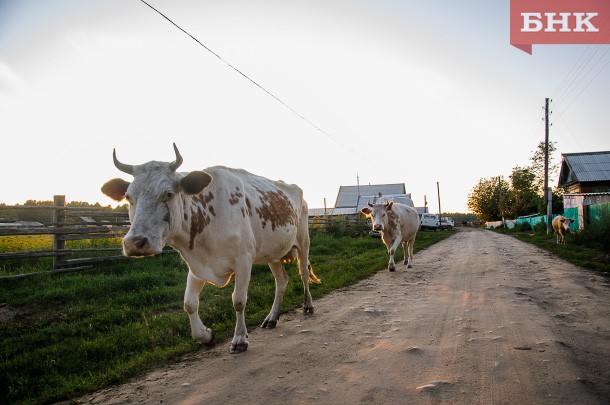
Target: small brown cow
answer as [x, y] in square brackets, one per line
[561, 226]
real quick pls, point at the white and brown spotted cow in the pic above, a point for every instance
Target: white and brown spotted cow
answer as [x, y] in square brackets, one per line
[222, 221]
[398, 224]
[561, 226]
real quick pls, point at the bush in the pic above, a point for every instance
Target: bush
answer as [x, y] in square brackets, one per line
[597, 234]
[540, 228]
[523, 227]
[343, 226]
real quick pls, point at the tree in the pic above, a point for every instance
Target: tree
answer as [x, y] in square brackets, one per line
[36, 203]
[487, 198]
[537, 166]
[523, 196]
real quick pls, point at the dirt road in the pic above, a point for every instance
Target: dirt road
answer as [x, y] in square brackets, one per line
[481, 318]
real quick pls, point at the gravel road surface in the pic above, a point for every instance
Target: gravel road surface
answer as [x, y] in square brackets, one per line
[481, 318]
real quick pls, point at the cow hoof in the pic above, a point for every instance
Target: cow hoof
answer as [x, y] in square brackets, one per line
[239, 348]
[239, 344]
[269, 324]
[391, 269]
[204, 337]
[409, 266]
[308, 310]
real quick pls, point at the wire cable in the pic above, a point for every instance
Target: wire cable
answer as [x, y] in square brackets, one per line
[259, 86]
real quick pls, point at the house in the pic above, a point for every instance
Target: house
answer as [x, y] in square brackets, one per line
[585, 177]
[585, 172]
[351, 199]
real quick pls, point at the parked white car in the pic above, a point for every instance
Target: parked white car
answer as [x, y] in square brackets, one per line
[429, 222]
[447, 223]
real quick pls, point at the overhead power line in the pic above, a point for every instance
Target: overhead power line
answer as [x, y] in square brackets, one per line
[573, 81]
[259, 86]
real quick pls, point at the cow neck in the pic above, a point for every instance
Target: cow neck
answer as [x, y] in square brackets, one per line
[197, 213]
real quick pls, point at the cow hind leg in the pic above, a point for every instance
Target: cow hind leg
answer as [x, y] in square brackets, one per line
[191, 305]
[240, 299]
[281, 281]
[305, 269]
[307, 274]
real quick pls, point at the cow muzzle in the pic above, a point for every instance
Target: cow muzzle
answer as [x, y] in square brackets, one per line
[137, 246]
[378, 227]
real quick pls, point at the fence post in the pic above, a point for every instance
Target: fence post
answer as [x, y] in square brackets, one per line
[59, 216]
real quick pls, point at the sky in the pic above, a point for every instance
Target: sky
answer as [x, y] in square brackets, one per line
[386, 91]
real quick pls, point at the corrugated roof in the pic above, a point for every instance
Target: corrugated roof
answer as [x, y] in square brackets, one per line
[348, 195]
[584, 167]
[363, 200]
[318, 212]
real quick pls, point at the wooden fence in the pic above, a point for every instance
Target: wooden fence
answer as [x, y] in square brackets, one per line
[75, 223]
[67, 224]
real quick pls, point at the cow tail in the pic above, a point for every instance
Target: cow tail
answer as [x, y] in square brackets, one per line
[312, 276]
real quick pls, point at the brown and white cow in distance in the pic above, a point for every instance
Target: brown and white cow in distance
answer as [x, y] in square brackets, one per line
[398, 224]
[561, 226]
[222, 221]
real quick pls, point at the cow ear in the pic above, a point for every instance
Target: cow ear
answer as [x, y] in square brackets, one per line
[389, 206]
[366, 211]
[115, 189]
[195, 182]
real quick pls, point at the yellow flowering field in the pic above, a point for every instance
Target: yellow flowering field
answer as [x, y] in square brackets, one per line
[25, 243]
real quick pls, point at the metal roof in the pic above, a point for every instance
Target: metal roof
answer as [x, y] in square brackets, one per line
[584, 167]
[318, 212]
[348, 195]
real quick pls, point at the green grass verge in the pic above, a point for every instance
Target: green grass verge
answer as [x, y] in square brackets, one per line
[64, 336]
[585, 255]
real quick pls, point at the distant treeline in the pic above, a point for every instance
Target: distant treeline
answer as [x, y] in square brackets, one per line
[11, 213]
[460, 217]
[81, 204]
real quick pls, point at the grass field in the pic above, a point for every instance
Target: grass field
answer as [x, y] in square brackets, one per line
[30, 243]
[63, 336]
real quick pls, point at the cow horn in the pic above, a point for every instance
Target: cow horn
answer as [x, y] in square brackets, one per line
[121, 166]
[369, 203]
[176, 163]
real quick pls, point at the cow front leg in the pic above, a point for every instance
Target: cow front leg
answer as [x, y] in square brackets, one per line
[191, 305]
[240, 298]
[408, 251]
[391, 251]
[281, 281]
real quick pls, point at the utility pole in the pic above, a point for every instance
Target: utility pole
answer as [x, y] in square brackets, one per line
[500, 199]
[548, 201]
[438, 190]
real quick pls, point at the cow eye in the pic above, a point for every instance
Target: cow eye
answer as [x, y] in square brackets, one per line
[168, 195]
[128, 198]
